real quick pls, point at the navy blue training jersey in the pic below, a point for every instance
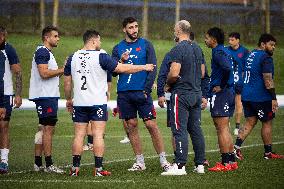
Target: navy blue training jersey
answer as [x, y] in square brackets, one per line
[254, 89]
[141, 52]
[240, 55]
[222, 67]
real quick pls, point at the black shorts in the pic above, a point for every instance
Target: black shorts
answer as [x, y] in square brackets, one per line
[261, 110]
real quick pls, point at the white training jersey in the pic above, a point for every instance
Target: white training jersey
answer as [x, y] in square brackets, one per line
[39, 87]
[89, 78]
[11, 58]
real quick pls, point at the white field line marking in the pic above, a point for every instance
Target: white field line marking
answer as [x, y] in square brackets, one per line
[147, 157]
[66, 181]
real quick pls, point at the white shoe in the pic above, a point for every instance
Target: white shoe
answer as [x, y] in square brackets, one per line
[38, 168]
[137, 167]
[88, 147]
[166, 166]
[236, 132]
[174, 170]
[125, 140]
[199, 169]
[53, 169]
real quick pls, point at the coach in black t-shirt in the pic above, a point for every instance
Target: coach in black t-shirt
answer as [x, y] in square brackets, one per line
[184, 82]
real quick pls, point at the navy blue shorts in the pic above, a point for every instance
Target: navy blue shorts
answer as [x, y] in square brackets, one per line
[261, 110]
[222, 104]
[84, 114]
[46, 107]
[131, 102]
[8, 105]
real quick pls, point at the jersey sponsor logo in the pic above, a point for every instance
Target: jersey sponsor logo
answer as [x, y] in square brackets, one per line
[240, 55]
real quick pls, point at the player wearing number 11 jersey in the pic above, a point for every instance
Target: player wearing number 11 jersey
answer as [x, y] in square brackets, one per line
[258, 95]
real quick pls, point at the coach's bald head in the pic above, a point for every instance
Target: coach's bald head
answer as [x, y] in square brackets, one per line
[182, 30]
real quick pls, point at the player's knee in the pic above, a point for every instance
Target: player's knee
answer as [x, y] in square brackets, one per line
[132, 123]
[50, 121]
[38, 137]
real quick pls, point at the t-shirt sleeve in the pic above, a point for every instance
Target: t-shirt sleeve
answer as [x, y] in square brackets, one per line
[115, 54]
[109, 76]
[175, 55]
[151, 55]
[67, 68]
[267, 65]
[12, 55]
[42, 56]
[107, 63]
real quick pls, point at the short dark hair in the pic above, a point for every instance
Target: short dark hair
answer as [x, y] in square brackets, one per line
[191, 36]
[235, 35]
[128, 20]
[266, 37]
[47, 30]
[217, 33]
[3, 29]
[90, 34]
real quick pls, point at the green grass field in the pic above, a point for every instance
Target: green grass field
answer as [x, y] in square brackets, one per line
[26, 45]
[254, 171]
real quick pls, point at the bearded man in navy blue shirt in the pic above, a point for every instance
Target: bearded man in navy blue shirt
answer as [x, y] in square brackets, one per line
[258, 95]
[134, 93]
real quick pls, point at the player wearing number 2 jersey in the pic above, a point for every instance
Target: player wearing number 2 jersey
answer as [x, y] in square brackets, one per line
[87, 70]
[258, 95]
[134, 93]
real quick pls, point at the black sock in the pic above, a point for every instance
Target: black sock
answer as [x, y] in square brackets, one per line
[76, 160]
[180, 165]
[225, 158]
[38, 161]
[232, 157]
[268, 148]
[48, 161]
[90, 139]
[238, 125]
[98, 162]
[239, 142]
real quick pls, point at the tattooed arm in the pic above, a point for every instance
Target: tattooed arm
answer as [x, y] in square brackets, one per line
[269, 84]
[17, 72]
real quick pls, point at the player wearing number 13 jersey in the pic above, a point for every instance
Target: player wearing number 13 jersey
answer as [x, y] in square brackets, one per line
[134, 92]
[258, 95]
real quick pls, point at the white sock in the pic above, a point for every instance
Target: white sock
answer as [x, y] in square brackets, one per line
[4, 155]
[163, 157]
[140, 159]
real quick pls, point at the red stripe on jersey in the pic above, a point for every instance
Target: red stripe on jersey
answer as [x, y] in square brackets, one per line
[176, 113]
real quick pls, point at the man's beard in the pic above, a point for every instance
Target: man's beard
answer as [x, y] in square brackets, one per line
[131, 37]
[2, 46]
[270, 53]
[176, 39]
